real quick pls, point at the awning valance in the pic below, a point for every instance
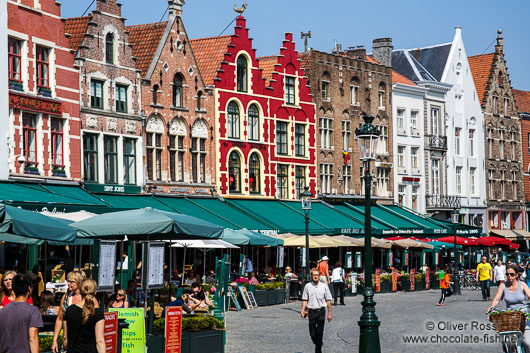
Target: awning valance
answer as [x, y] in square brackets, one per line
[512, 234]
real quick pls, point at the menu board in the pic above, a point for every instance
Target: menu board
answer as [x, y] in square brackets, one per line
[412, 279]
[111, 332]
[427, 278]
[378, 280]
[154, 271]
[133, 338]
[173, 329]
[107, 265]
[394, 280]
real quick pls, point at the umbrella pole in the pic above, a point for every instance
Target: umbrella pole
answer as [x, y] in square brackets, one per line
[121, 263]
[45, 261]
[80, 255]
[183, 266]
[170, 266]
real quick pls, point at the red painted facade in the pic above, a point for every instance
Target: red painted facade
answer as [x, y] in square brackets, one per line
[275, 173]
[43, 88]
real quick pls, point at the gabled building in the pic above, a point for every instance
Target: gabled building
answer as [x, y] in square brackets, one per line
[4, 95]
[522, 100]
[264, 117]
[345, 85]
[110, 99]
[177, 108]
[504, 164]
[44, 126]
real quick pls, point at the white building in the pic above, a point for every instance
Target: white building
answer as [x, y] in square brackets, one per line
[4, 94]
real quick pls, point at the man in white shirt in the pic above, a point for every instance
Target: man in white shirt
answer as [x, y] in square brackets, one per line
[338, 278]
[315, 298]
[499, 272]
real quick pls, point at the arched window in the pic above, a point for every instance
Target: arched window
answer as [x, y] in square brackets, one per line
[234, 173]
[177, 91]
[109, 48]
[155, 94]
[199, 95]
[254, 174]
[233, 120]
[242, 73]
[253, 122]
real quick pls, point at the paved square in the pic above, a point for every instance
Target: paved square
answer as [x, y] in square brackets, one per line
[279, 328]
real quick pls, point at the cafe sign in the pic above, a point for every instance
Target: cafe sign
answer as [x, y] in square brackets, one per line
[38, 105]
[113, 189]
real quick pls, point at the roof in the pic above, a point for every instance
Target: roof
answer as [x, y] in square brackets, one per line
[76, 27]
[267, 64]
[433, 59]
[372, 60]
[480, 66]
[522, 99]
[402, 65]
[209, 52]
[145, 39]
[398, 78]
[305, 63]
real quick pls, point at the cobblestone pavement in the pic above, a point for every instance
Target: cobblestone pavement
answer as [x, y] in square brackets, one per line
[280, 329]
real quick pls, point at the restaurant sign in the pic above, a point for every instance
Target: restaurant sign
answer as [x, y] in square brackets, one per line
[113, 189]
[35, 104]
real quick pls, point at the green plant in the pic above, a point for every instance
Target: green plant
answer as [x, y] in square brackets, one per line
[45, 343]
[266, 286]
[419, 276]
[192, 323]
[386, 278]
[159, 325]
[32, 168]
[280, 285]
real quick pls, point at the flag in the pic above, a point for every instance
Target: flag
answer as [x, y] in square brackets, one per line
[346, 156]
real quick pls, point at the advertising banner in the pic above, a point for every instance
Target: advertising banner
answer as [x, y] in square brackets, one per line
[428, 278]
[412, 279]
[133, 338]
[111, 332]
[173, 329]
[394, 280]
[377, 280]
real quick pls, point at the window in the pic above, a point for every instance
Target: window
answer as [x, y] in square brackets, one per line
[325, 87]
[299, 180]
[42, 63]
[401, 156]
[495, 105]
[490, 142]
[14, 50]
[198, 159]
[513, 146]
[491, 185]
[459, 180]
[242, 80]
[326, 177]
[176, 157]
[290, 90]
[401, 120]
[282, 175]
[414, 119]
[514, 185]
[233, 120]
[503, 185]
[325, 129]
[472, 143]
[121, 98]
[253, 122]
[457, 141]
[435, 116]
[155, 94]
[506, 105]
[153, 141]
[177, 91]
[383, 177]
[382, 145]
[346, 176]
[90, 157]
[57, 142]
[110, 154]
[401, 194]
[281, 137]
[109, 48]
[415, 192]
[129, 161]
[435, 182]
[354, 92]
[414, 151]
[96, 94]
[381, 96]
[299, 140]
[501, 144]
[234, 173]
[346, 133]
[254, 174]
[29, 132]
[199, 95]
[473, 181]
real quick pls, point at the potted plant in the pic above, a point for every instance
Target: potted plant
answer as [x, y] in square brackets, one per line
[31, 170]
[16, 85]
[45, 92]
[360, 285]
[46, 341]
[386, 283]
[406, 282]
[419, 281]
[59, 171]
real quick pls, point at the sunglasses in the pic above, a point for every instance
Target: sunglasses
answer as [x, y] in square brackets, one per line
[510, 274]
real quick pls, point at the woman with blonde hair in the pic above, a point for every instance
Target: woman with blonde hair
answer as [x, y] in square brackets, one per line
[85, 323]
[120, 301]
[7, 295]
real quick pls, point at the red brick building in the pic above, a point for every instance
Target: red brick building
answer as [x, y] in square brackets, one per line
[265, 118]
[176, 106]
[522, 100]
[43, 94]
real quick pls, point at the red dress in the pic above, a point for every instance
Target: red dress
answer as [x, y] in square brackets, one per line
[7, 301]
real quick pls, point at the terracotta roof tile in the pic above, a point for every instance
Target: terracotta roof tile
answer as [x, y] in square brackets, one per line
[76, 28]
[480, 68]
[267, 64]
[305, 63]
[522, 99]
[209, 52]
[145, 39]
[398, 78]
[372, 60]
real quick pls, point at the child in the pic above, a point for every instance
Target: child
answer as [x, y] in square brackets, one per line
[444, 285]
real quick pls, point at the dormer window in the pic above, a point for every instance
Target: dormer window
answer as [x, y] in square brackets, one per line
[242, 79]
[109, 48]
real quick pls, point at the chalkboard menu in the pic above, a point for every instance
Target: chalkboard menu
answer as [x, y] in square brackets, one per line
[232, 296]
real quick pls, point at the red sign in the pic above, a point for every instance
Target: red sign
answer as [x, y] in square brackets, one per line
[378, 280]
[111, 331]
[35, 104]
[173, 329]
[427, 278]
[412, 279]
[411, 179]
[394, 280]
[406, 261]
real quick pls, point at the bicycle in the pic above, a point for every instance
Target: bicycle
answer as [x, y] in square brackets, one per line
[510, 326]
[468, 281]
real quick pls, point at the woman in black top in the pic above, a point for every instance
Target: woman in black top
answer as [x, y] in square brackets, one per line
[85, 323]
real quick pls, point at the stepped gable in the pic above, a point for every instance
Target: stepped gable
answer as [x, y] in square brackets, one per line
[76, 27]
[145, 39]
[267, 64]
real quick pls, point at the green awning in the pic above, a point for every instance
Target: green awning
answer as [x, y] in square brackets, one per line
[461, 229]
[377, 227]
[247, 237]
[18, 239]
[429, 226]
[389, 219]
[131, 202]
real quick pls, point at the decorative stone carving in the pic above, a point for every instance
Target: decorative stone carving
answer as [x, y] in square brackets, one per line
[91, 122]
[178, 127]
[130, 127]
[199, 129]
[112, 124]
[155, 124]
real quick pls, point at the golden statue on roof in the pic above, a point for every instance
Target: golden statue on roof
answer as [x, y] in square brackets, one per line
[242, 9]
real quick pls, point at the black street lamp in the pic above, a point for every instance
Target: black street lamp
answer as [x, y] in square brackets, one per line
[455, 216]
[306, 197]
[368, 136]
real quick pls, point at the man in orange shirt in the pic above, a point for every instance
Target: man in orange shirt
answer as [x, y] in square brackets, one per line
[444, 286]
[323, 269]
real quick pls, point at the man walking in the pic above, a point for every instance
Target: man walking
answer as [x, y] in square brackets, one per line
[484, 275]
[338, 278]
[323, 269]
[20, 321]
[315, 298]
[499, 272]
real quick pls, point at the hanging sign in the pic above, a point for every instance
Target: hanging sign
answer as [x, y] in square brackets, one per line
[503, 255]
[173, 329]
[390, 258]
[104, 260]
[394, 280]
[348, 260]
[153, 265]
[478, 256]
[110, 332]
[427, 278]
[519, 258]
[242, 265]
[405, 258]
[377, 280]
[279, 256]
[302, 257]
[412, 280]
[132, 338]
[358, 260]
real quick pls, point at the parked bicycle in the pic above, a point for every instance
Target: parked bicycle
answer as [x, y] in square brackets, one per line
[468, 281]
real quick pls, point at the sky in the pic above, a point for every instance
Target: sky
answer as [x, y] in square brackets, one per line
[410, 23]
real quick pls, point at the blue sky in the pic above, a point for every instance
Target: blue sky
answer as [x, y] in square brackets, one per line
[410, 23]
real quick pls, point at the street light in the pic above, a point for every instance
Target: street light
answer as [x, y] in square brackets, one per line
[368, 136]
[455, 216]
[306, 197]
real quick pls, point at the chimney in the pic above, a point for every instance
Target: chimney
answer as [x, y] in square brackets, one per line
[458, 30]
[358, 52]
[382, 50]
[500, 43]
[337, 48]
[175, 7]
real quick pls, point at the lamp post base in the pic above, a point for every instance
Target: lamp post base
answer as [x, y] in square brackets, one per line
[369, 325]
[457, 284]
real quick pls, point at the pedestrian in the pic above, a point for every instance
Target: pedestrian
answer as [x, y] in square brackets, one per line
[484, 275]
[20, 321]
[323, 269]
[7, 295]
[338, 278]
[47, 303]
[526, 274]
[499, 272]
[444, 286]
[85, 322]
[315, 297]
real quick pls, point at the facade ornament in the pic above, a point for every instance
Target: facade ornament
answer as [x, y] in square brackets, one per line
[130, 127]
[178, 127]
[92, 122]
[155, 124]
[112, 124]
[242, 9]
[199, 129]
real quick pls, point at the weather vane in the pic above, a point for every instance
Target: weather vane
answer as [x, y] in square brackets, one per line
[242, 9]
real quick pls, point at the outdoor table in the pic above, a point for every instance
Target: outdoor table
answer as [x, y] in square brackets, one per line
[57, 287]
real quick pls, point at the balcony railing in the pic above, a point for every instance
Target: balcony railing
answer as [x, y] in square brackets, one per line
[436, 142]
[443, 201]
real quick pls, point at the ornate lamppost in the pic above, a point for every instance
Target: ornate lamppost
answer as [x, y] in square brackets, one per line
[306, 197]
[368, 136]
[455, 215]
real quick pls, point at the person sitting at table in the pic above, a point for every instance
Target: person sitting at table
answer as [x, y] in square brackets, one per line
[190, 278]
[210, 278]
[7, 295]
[203, 302]
[288, 274]
[120, 301]
[182, 302]
[47, 303]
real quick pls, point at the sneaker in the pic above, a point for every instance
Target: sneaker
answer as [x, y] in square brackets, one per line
[442, 304]
[439, 304]
[342, 304]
